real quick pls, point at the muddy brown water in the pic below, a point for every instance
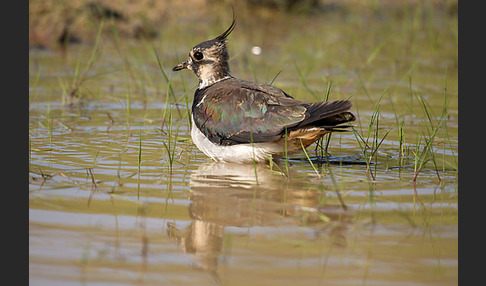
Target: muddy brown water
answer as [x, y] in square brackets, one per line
[119, 196]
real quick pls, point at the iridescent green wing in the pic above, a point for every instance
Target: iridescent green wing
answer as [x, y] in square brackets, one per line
[236, 113]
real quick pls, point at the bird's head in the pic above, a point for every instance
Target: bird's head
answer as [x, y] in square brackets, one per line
[209, 60]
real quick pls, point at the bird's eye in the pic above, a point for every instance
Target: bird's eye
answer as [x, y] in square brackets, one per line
[198, 56]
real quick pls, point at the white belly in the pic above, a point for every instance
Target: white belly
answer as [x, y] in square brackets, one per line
[241, 153]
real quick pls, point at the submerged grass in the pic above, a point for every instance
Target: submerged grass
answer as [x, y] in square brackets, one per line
[426, 154]
[170, 90]
[139, 165]
[323, 150]
[79, 80]
[309, 159]
[170, 144]
[34, 87]
[370, 143]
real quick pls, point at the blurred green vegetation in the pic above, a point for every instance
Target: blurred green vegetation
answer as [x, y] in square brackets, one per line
[54, 23]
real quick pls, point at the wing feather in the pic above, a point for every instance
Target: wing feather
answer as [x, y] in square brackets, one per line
[235, 112]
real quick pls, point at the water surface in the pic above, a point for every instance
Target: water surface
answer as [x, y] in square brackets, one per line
[119, 195]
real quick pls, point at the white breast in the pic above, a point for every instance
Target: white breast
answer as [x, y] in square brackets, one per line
[241, 153]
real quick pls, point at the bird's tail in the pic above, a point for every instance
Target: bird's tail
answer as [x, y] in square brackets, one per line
[331, 115]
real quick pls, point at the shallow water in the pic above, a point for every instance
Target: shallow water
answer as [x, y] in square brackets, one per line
[119, 196]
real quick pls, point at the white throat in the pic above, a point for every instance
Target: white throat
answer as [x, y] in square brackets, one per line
[210, 81]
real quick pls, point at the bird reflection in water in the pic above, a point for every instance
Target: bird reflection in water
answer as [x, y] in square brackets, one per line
[245, 195]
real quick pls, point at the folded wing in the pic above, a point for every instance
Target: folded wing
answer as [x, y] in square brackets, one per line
[237, 112]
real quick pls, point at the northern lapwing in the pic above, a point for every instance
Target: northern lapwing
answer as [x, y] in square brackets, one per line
[235, 120]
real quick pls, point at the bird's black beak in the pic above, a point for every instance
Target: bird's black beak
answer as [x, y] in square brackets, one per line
[180, 66]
